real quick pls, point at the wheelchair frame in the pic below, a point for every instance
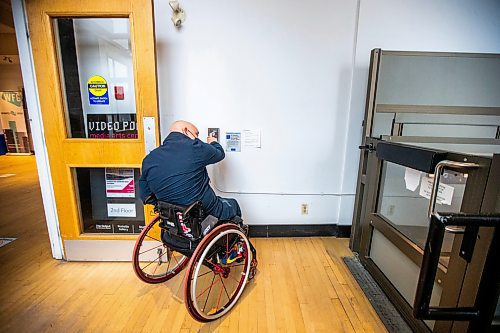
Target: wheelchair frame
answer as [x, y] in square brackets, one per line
[219, 264]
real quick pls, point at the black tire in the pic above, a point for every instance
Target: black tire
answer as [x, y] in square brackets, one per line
[217, 273]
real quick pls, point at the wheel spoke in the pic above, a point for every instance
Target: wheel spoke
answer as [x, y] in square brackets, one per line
[154, 272]
[153, 261]
[220, 294]
[173, 256]
[199, 276]
[154, 239]
[235, 279]
[204, 306]
[151, 249]
[209, 287]
[224, 285]
[237, 265]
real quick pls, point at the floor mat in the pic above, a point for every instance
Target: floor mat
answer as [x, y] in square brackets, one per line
[5, 241]
[384, 308]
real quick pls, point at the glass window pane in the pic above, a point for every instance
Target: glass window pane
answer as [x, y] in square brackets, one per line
[109, 200]
[95, 58]
[404, 200]
[400, 270]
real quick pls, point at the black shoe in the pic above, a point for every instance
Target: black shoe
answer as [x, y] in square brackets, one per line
[245, 229]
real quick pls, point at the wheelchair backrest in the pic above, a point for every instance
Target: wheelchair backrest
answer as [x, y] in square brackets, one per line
[181, 220]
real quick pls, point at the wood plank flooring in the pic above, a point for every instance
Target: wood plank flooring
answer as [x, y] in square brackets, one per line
[302, 284]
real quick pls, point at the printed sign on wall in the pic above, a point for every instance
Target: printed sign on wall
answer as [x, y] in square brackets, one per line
[112, 126]
[121, 210]
[98, 90]
[120, 183]
[233, 141]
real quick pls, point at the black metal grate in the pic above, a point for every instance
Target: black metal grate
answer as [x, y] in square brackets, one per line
[384, 308]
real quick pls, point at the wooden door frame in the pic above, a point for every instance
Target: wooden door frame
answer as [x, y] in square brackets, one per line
[32, 101]
[60, 155]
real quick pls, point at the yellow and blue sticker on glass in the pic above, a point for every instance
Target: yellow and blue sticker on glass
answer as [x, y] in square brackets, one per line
[98, 90]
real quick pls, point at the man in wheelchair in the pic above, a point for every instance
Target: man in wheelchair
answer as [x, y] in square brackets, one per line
[174, 179]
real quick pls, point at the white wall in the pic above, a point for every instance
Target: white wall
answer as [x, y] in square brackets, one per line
[298, 72]
[441, 26]
[283, 67]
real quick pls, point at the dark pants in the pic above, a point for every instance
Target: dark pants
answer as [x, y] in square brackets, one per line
[226, 209]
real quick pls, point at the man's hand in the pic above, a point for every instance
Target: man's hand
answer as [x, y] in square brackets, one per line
[211, 139]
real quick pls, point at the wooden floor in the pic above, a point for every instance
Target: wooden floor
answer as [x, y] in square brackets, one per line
[302, 284]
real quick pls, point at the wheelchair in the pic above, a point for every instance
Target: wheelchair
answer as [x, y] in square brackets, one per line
[219, 257]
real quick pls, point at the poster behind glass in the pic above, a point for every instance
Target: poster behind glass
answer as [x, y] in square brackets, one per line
[109, 200]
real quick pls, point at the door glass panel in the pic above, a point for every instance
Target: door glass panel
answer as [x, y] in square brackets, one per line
[404, 200]
[95, 59]
[109, 200]
[400, 270]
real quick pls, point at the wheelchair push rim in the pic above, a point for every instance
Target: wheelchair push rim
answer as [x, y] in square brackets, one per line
[153, 260]
[217, 273]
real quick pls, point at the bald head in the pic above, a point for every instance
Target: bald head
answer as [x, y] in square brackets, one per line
[185, 127]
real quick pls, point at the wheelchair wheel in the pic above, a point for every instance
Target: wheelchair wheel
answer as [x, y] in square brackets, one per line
[217, 273]
[155, 262]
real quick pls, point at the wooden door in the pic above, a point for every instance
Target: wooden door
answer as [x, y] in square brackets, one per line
[96, 75]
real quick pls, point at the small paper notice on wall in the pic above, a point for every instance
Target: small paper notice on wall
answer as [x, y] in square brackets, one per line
[120, 183]
[412, 179]
[233, 141]
[444, 194]
[251, 138]
[121, 210]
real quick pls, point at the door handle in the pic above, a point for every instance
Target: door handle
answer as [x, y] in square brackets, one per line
[437, 174]
[430, 262]
[368, 147]
[454, 230]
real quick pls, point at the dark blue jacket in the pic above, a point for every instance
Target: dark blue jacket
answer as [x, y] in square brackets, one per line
[176, 173]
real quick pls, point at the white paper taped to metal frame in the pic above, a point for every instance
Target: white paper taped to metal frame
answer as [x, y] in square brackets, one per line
[412, 178]
[444, 195]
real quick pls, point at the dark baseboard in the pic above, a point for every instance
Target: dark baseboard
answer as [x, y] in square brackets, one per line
[344, 231]
[300, 230]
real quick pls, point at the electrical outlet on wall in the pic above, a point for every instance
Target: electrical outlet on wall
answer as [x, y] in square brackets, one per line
[391, 210]
[304, 209]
